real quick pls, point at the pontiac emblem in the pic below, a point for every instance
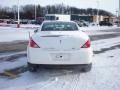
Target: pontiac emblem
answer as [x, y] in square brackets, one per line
[60, 41]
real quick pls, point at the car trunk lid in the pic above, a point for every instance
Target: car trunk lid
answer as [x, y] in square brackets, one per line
[60, 40]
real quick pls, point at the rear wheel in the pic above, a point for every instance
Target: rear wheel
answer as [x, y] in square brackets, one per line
[87, 68]
[32, 67]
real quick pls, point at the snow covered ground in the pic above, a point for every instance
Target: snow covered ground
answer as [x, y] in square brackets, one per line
[98, 28]
[105, 74]
[21, 25]
[105, 43]
[8, 34]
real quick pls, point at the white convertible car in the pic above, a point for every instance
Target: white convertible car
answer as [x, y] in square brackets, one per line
[59, 43]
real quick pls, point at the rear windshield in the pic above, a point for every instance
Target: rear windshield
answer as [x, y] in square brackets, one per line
[59, 26]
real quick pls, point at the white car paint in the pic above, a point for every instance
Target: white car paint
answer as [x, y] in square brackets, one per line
[59, 48]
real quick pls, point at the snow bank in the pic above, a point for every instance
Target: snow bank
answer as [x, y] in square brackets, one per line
[28, 26]
[90, 28]
[97, 45]
[8, 34]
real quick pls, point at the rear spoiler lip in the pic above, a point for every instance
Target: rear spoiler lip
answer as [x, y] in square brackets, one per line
[52, 35]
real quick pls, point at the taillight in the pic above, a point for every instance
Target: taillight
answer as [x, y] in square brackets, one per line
[33, 44]
[87, 44]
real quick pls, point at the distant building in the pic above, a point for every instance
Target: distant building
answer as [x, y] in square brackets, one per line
[104, 18]
[77, 17]
[82, 17]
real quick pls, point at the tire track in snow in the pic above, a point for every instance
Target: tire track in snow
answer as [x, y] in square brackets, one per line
[68, 81]
[74, 82]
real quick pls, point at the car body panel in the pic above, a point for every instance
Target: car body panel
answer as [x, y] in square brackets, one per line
[41, 56]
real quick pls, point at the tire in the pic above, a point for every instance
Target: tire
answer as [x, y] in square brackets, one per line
[32, 67]
[87, 68]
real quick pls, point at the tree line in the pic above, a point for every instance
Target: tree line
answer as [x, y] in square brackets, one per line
[28, 11]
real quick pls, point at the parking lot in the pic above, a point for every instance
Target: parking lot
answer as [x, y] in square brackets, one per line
[103, 76]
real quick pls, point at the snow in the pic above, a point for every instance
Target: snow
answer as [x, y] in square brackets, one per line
[98, 28]
[8, 34]
[105, 43]
[21, 25]
[29, 26]
[11, 54]
[105, 74]
[7, 65]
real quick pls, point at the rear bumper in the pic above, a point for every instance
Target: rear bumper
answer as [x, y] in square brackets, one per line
[43, 57]
[61, 66]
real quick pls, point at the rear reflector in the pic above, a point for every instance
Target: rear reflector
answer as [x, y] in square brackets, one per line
[87, 44]
[33, 44]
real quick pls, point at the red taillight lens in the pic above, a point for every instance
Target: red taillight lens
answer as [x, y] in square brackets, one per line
[33, 44]
[87, 44]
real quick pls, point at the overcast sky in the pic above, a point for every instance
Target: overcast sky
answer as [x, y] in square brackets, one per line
[109, 5]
